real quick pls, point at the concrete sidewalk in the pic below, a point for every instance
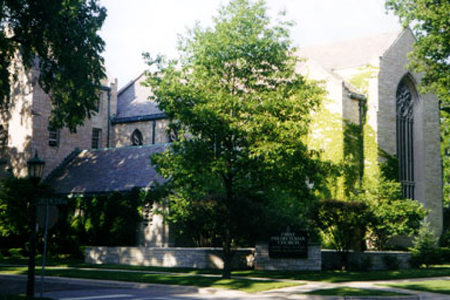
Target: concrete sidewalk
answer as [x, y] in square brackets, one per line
[296, 291]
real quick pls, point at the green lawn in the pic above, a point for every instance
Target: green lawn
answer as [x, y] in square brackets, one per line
[432, 286]
[245, 285]
[348, 291]
[327, 276]
[346, 276]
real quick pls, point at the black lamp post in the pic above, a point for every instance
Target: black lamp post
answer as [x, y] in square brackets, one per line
[35, 171]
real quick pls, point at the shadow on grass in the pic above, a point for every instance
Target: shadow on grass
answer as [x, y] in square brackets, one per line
[245, 285]
[327, 276]
[346, 276]
[348, 291]
[432, 286]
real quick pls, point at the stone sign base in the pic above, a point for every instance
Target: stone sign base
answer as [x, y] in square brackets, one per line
[312, 263]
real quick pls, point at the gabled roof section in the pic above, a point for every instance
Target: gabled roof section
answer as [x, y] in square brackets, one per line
[108, 170]
[351, 53]
[133, 101]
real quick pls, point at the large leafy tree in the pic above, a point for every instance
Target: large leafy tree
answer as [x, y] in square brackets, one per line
[430, 22]
[15, 195]
[60, 38]
[240, 113]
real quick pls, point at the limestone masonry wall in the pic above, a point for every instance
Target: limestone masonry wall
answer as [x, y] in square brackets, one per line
[427, 157]
[245, 258]
[331, 259]
[123, 131]
[199, 258]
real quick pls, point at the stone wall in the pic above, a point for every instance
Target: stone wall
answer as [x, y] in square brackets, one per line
[199, 258]
[27, 123]
[82, 138]
[264, 262]
[427, 156]
[123, 131]
[331, 259]
[153, 230]
[245, 258]
[17, 119]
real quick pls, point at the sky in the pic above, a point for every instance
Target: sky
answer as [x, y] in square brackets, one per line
[136, 26]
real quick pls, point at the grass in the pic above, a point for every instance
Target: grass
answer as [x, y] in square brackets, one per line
[346, 276]
[245, 285]
[348, 291]
[432, 286]
[50, 261]
[327, 276]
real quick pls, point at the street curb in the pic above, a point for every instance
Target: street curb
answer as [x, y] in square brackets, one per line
[124, 284]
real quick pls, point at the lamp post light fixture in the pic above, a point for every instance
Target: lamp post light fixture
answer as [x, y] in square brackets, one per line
[35, 171]
[35, 168]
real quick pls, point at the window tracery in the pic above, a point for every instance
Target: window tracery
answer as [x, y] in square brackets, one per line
[405, 138]
[136, 138]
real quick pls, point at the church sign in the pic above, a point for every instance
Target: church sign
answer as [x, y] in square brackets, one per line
[289, 244]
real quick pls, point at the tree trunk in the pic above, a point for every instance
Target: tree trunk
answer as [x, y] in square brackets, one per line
[32, 252]
[227, 255]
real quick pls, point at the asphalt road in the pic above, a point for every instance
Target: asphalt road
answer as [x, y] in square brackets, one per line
[80, 289]
[83, 289]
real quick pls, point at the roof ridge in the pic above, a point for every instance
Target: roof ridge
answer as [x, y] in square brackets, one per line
[134, 119]
[64, 162]
[126, 86]
[351, 53]
[398, 37]
[354, 38]
[124, 147]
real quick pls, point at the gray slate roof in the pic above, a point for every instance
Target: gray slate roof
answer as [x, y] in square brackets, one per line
[107, 170]
[132, 101]
[350, 53]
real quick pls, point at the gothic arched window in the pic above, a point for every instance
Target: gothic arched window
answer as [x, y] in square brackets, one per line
[136, 138]
[405, 137]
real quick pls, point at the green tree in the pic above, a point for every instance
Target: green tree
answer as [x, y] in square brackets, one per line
[425, 250]
[59, 38]
[343, 224]
[430, 22]
[15, 200]
[240, 113]
[110, 219]
[390, 214]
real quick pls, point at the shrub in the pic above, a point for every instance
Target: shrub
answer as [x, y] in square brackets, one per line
[12, 252]
[444, 241]
[444, 254]
[390, 214]
[343, 224]
[391, 262]
[425, 251]
[366, 264]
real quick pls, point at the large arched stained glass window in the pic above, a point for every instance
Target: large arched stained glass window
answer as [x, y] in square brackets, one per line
[405, 137]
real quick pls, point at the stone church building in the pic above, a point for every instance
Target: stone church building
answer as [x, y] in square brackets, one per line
[367, 83]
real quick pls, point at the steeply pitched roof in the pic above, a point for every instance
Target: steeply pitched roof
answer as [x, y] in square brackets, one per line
[132, 101]
[108, 170]
[351, 53]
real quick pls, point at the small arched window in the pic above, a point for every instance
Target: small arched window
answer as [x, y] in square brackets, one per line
[405, 99]
[137, 138]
